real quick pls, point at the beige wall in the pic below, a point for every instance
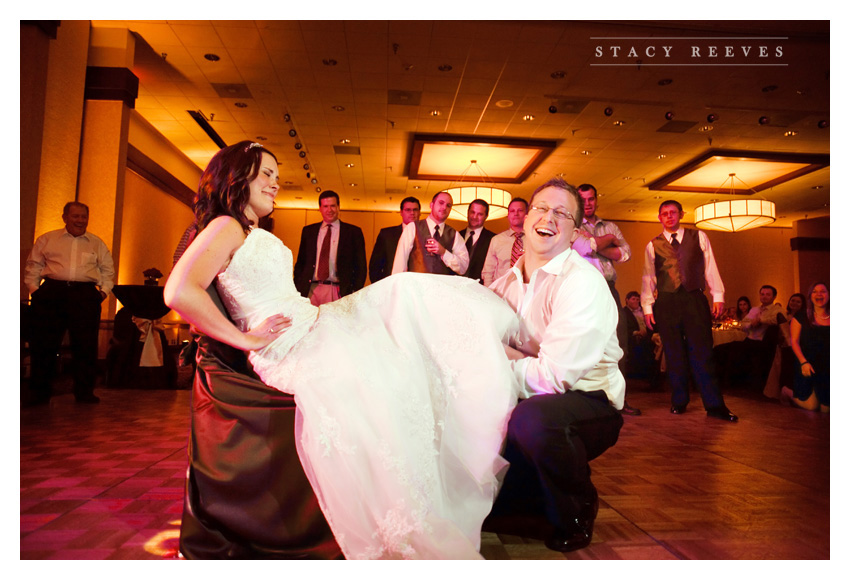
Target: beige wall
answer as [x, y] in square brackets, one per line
[153, 223]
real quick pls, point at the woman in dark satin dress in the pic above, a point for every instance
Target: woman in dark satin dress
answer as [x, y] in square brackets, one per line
[810, 343]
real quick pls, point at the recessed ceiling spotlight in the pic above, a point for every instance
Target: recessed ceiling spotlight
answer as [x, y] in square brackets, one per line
[260, 138]
[338, 108]
[318, 190]
[764, 120]
[558, 74]
[528, 118]
[706, 128]
[314, 181]
[586, 152]
[823, 124]
[292, 133]
[669, 115]
[329, 62]
[790, 133]
[435, 113]
[627, 178]
[212, 57]
[816, 187]
[240, 105]
[619, 123]
[665, 82]
[353, 185]
[417, 187]
[661, 156]
[608, 111]
[345, 141]
[711, 118]
[302, 154]
[349, 165]
[444, 67]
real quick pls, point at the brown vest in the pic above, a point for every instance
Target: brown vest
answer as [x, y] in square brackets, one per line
[420, 259]
[685, 267]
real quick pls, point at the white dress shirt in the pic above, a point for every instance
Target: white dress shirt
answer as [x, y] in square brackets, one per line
[456, 258]
[766, 315]
[586, 247]
[498, 260]
[60, 256]
[648, 280]
[567, 327]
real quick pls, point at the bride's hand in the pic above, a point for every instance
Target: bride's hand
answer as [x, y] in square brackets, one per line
[267, 331]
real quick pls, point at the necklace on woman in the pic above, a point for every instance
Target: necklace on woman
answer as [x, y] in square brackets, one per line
[822, 316]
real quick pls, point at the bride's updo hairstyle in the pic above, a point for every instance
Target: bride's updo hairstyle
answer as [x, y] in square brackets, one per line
[223, 189]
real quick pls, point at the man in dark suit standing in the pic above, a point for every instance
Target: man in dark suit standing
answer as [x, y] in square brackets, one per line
[331, 257]
[476, 237]
[381, 262]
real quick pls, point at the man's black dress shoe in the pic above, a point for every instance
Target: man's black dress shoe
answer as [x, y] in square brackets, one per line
[580, 532]
[88, 399]
[629, 410]
[678, 409]
[722, 413]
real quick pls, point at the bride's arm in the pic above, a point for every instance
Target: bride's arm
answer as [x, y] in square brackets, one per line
[186, 291]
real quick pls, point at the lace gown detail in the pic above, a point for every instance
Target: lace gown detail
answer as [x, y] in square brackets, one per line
[403, 392]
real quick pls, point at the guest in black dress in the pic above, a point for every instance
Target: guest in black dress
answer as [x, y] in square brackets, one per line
[810, 343]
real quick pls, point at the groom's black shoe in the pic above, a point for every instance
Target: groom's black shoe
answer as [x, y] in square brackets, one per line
[580, 531]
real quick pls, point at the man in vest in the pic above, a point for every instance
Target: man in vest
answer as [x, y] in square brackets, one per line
[431, 245]
[678, 266]
[477, 237]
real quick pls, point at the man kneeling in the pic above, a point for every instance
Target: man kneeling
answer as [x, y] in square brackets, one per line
[565, 356]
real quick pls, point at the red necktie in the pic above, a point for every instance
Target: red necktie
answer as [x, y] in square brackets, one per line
[517, 250]
[324, 270]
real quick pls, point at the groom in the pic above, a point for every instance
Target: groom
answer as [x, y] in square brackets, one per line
[564, 356]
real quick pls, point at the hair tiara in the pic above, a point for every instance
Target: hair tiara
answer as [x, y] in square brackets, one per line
[252, 145]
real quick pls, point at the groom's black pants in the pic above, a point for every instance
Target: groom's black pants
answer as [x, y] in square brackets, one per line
[551, 439]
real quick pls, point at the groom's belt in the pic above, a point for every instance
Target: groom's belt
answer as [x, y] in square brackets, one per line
[324, 282]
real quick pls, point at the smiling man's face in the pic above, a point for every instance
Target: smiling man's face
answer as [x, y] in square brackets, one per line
[546, 234]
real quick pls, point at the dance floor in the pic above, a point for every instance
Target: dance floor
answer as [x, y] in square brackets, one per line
[105, 482]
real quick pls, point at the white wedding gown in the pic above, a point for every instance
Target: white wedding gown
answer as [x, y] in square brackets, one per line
[404, 394]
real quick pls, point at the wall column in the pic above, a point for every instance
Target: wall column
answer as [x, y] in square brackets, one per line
[110, 93]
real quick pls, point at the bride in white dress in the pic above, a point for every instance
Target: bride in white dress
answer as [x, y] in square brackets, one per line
[403, 388]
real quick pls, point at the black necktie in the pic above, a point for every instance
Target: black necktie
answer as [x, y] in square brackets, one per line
[675, 242]
[470, 242]
[436, 231]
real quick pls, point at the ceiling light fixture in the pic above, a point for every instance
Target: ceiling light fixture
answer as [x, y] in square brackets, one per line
[735, 215]
[528, 118]
[462, 196]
